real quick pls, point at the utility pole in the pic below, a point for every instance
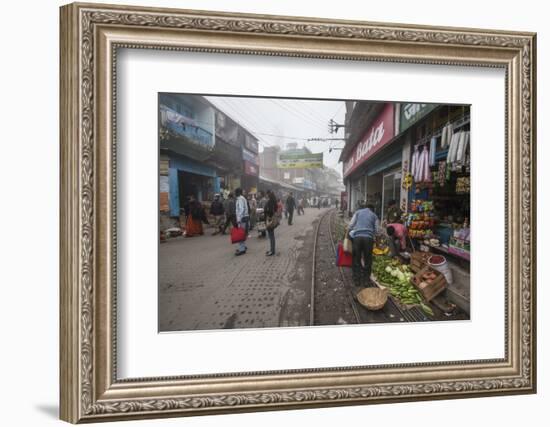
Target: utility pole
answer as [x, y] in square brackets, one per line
[333, 126]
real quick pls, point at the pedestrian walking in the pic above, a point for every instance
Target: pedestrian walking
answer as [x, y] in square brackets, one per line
[290, 206]
[230, 212]
[362, 229]
[300, 209]
[280, 208]
[224, 192]
[243, 217]
[253, 205]
[195, 218]
[272, 220]
[217, 211]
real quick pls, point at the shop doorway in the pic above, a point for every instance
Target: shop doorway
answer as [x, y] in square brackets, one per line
[199, 186]
[391, 189]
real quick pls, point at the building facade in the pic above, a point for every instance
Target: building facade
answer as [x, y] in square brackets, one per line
[202, 151]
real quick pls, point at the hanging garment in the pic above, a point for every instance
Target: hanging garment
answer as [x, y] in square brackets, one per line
[462, 148]
[453, 147]
[422, 171]
[426, 173]
[414, 161]
[433, 143]
[459, 146]
[419, 166]
[444, 136]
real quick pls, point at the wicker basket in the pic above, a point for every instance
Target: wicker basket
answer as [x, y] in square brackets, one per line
[373, 298]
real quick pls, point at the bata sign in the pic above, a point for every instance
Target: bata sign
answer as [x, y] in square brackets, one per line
[379, 134]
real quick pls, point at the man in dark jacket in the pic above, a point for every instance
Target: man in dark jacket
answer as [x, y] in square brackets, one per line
[230, 212]
[363, 228]
[217, 210]
[290, 205]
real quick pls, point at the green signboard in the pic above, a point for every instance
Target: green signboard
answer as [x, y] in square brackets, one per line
[300, 160]
[411, 113]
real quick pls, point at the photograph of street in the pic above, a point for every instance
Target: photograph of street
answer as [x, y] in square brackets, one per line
[289, 212]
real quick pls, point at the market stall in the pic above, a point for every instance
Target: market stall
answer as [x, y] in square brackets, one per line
[439, 190]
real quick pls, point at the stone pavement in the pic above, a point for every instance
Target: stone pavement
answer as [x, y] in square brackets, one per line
[203, 285]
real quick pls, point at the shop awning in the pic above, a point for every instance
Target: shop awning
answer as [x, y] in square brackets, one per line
[279, 183]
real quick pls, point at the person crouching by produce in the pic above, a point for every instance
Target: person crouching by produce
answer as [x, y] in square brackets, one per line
[362, 229]
[397, 234]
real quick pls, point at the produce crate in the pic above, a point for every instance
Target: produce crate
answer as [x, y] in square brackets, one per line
[429, 290]
[419, 260]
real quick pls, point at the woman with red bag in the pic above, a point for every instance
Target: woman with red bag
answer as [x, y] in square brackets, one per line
[243, 216]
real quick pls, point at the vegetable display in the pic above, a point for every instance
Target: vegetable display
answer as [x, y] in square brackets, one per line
[397, 277]
[379, 251]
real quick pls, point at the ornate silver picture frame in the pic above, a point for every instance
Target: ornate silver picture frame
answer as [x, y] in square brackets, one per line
[91, 34]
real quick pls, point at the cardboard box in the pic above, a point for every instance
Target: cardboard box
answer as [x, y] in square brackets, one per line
[419, 260]
[429, 290]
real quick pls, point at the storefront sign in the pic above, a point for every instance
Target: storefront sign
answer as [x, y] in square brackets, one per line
[300, 160]
[379, 134]
[251, 157]
[251, 169]
[411, 113]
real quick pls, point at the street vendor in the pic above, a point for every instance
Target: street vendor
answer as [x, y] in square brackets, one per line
[397, 234]
[393, 214]
[362, 230]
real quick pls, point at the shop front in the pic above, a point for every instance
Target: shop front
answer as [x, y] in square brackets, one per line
[250, 178]
[438, 209]
[189, 178]
[372, 172]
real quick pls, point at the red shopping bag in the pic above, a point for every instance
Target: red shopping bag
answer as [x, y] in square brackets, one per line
[238, 235]
[343, 258]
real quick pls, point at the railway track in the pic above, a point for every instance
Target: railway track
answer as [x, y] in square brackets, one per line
[356, 313]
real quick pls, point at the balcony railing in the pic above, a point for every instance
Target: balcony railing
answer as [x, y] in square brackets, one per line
[185, 127]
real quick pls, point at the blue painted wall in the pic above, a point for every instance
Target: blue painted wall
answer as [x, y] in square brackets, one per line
[179, 163]
[188, 165]
[174, 193]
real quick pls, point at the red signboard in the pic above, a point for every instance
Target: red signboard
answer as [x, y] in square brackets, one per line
[377, 136]
[251, 169]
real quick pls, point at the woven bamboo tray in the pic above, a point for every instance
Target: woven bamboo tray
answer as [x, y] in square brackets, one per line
[373, 298]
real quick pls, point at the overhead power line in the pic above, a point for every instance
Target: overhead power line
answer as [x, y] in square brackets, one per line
[297, 114]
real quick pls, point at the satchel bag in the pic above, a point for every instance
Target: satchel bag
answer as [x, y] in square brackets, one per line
[272, 222]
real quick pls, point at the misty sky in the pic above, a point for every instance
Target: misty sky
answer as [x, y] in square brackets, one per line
[277, 121]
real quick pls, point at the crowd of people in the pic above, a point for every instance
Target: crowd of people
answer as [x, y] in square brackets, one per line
[237, 209]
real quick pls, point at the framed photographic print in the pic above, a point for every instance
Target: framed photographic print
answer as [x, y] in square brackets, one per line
[267, 212]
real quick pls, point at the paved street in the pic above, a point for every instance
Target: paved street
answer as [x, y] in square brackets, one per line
[203, 285]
